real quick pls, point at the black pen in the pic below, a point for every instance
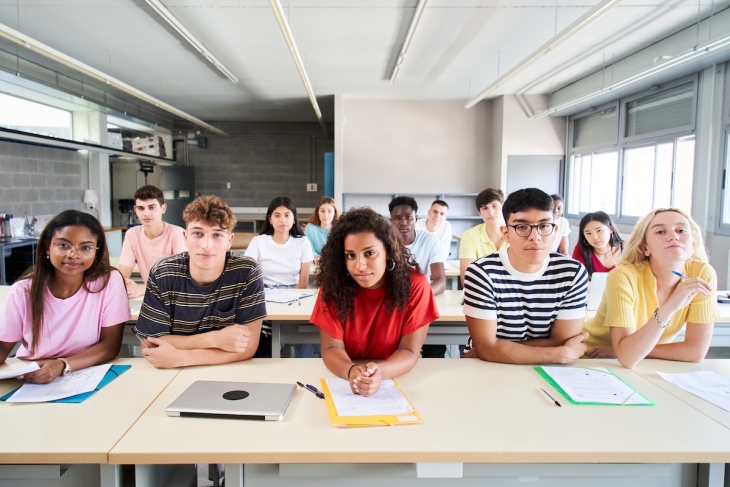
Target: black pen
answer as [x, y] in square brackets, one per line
[311, 389]
[551, 398]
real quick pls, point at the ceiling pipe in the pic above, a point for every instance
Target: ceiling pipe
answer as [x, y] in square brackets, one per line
[409, 36]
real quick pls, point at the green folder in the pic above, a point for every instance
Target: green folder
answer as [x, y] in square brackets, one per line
[540, 370]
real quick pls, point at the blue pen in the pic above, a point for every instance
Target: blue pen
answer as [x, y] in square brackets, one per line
[679, 274]
[312, 389]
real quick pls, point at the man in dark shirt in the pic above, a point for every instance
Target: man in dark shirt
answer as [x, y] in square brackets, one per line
[206, 305]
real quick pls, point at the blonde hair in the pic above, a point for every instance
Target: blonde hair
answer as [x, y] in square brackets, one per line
[326, 200]
[634, 254]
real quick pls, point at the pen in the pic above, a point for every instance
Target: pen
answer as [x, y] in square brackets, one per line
[679, 274]
[311, 389]
[551, 398]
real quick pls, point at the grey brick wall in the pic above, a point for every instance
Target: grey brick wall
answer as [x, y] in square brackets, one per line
[262, 161]
[39, 180]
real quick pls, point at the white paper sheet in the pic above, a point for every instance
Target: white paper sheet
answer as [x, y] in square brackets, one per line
[8, 371]
[387, 401]
[708, 385]
[78, 382]
[286, 295]
[594, 385]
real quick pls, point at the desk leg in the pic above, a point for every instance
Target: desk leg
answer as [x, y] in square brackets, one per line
[234, 475]
[275, 339]
[710, 475]
[111, 475]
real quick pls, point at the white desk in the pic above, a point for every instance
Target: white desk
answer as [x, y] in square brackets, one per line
[482, 419]
[48, 433]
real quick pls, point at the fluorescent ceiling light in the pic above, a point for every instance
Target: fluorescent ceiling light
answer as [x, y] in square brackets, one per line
[289, 38]
[59, 57]
[689, 55]
[192, 40]
[584, 21]
[407, 42]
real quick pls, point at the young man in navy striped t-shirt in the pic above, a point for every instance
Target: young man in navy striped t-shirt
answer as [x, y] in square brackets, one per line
[524, 304]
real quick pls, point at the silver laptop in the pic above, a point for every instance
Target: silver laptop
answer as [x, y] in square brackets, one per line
[595, 291]
[233, 400]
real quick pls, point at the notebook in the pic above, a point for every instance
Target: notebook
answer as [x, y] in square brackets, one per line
[233, 400]
[595, 291]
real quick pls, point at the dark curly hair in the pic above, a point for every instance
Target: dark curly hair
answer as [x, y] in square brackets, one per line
[337, 287]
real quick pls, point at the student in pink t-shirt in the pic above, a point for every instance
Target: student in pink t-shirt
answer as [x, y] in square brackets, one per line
[146, 244]
[68, 311]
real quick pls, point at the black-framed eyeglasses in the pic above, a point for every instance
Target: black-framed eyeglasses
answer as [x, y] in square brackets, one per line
[405, 218]
[524, 230]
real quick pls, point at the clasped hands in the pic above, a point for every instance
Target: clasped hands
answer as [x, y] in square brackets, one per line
[163, 354]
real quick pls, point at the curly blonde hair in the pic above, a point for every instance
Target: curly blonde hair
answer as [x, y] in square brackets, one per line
[211, 210]
[633, 252]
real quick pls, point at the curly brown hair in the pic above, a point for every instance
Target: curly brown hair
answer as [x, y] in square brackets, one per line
[337, 287]
[211, 210]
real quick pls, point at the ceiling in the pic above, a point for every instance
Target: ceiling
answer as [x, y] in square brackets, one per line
[349, 47]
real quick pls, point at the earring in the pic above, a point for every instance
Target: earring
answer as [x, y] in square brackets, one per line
[48, 256]
[393, 266]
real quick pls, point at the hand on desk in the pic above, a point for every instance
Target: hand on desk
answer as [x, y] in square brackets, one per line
[134, 290]
[49, 370]
[233, 338]
[573, 349]
[602, 351]
[365, 379]
[161, 354]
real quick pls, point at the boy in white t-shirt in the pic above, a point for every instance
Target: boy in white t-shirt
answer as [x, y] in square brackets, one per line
[144, 245]
[437, 225]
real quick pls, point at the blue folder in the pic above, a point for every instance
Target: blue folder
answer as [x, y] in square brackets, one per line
[113, 372]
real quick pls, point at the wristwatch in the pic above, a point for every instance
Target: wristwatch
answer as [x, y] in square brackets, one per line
[662, 324]
[67, 368]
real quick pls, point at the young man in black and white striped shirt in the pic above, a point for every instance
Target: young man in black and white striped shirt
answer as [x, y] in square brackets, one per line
[524, 304]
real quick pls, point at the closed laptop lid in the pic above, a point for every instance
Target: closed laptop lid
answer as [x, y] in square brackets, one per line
[240, 400]
[595, 291]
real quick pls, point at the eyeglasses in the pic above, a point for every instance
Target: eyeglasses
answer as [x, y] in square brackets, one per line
[407, 218]
[544, 229]
[61, 248]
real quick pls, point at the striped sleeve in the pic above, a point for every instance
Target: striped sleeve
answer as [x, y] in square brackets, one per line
[252, 302]
[479, 297]
[155, 316]
[573, 305]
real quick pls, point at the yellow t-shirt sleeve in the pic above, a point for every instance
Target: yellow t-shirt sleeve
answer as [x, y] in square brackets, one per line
[704, 309]
[468, 246]
[620, 296]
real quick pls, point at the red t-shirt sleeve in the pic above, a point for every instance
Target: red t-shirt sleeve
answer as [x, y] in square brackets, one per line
[578, 255]
[421, 309]
[325, 318]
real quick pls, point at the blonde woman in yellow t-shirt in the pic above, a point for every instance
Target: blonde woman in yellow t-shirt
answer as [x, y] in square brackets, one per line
[646, 304]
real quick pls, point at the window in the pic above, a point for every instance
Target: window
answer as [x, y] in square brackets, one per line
[34, 118]
[635, 155]
[724, 223]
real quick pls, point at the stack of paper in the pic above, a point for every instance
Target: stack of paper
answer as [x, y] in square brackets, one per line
[597, 385]
[708, 385]
[286, 295]
[78, 382]
[386, 407]
[8, 371]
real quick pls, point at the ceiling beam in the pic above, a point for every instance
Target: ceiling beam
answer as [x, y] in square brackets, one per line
[289, 38]
[409, 36]
[23, 40]
[584, 21]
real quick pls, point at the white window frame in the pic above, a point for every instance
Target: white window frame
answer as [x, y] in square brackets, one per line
[723, 182]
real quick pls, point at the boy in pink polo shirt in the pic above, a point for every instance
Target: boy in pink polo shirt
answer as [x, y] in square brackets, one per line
[144, 245]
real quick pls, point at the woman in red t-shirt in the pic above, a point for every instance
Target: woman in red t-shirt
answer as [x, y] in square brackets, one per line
[374, 305]
[599, 244]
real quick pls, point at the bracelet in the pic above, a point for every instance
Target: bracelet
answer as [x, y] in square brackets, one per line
[350, 370]
[662, 324]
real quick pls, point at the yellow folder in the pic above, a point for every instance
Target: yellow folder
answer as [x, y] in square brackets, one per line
[379, 420]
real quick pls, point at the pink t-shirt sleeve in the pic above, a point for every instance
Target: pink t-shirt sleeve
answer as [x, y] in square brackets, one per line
[116, 304]
[178, 241]
[16, 308]
[127, 257]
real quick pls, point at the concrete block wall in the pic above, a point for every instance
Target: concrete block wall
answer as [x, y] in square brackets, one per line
[40, 180]
[262, 161]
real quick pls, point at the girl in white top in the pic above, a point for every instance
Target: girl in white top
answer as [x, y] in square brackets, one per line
[562, 241]
[281, 249]
[437, 224]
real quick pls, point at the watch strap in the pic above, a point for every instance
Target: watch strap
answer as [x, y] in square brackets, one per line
[67, 366]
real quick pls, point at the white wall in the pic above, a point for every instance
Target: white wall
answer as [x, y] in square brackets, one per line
[415, 146]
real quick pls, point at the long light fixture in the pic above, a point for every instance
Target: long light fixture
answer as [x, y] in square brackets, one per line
[407, 42]
[59, 57]
[584, 21]
[192, 40]
[289, 38]
[682, 58]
